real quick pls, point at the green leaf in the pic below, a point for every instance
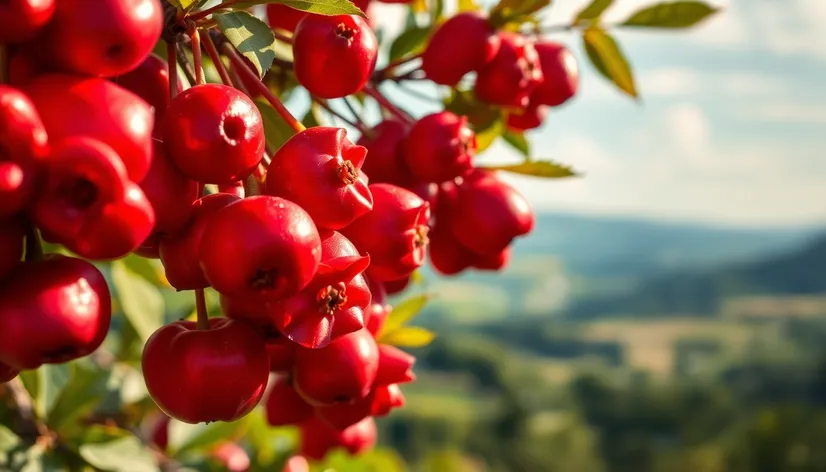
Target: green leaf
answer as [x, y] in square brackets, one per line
[404, 312]
[277, 130]
[187, 5]
[518, 142]
[681, 14]
[384, 460]
[606, 55]
[121, 455]
[319, 7]
[84, 389]
[515, 10]
[44, 385]
[545, 169]
[310, 119]
[481, 116]
[149, 269]
[593, 11]
[252, 37]
[486, 136]
[187, 437]
[269, 444]
[468, 5]
[140, 301]
[408, 336]
[412, 41]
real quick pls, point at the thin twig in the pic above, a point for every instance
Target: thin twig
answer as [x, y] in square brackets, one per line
[186, 66]
[323, 104]
[216, 58]
[387, 105]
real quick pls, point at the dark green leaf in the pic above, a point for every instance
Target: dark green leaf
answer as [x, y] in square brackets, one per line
[606, 55]
[121, 455]
[518, 142]
[593, 11]
[515, 10]
[310, 120]
[44, 385]
[319, 7]
[671, 15]
[85, 388]
[276, 129]
[140, 301]
[404, 312]
[252, 37]
[546, 169]
[412, 41]
[408, 336]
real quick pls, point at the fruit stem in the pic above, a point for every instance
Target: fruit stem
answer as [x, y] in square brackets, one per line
[205, 13]
[216, 58]
[34, 247]
[172, 65]
[382, 74]
[387, 105]
[245, 72]
[282, 37]
[195, 38]
[323, 104]
[201, 309]
[251, 186]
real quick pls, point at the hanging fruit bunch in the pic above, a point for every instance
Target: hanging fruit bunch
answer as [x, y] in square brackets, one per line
[158, 129]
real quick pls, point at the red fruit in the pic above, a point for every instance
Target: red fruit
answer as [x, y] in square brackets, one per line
[282, 354]
[318, 169]
[214, 134]
[376, 314]
[359, 437]
[7, 373]
[16, 184]
[88, 204]
[103, 38]
[170, 192]
[253, 312]
[462, 44]
[232, 456]
[286, 18]
[79, 106]
[401, 218]
[11, 244]
[285, 406]
[52, 311]
[261, 247]
[160, 431]
[561, 73]
[341, 46]
[296, 464]
[150, 81]
[395, 366]
[386, 399]
[384, 162]
[380, 401]
[488, 214]
[195, 376]
[319, 438]
[235, 188]
[22, 20]
[447, 255]
[150, 248]
[333, 304]
[440, 147]
[179, 254]
[397, 286]
[528, 118]
[513, 74]
[342, 372]
[493, 262]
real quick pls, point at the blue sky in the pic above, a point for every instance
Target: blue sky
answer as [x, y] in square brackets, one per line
[731, 128]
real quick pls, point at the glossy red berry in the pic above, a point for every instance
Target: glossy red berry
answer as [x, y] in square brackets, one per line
[462, 44]
[103, 38]
[150, 81]
[52, 311]
[319, 438]
[88, 204]
[440, 147]
[395, 366]
[340, 46]
[342, 372]
[401, 218]
[282, 354]
[496, 261]
[22, 20]
[285, 406]
[78, 106]
[513, 74]
[7, 373]
[381, 400]
[216, 374]
[384, 162]
[378, 311]
[170, 192]
[262, 247]
[12, 237]
[214, 134]
[447, 255]
[180, 253]
[235, 188]
[528, 118]
[560, 71]
[397, 286]
[318, 169]
[286, 18]
[488, 214]
[17, 181]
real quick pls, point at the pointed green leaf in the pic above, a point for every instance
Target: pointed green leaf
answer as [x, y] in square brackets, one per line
[277, 130]
[252, 37]
[319, 7]
[140, 301]
[121, 455]
[545, 169]
[593, 11]
[606, 55]
[412, 41]
[408, 336]
[404, 312]
[681, 14]
[518, 142]
[515, 10]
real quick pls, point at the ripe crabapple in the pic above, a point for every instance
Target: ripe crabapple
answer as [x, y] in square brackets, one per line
[281, 352]
[561, 73]
[22, 20]
[285, 406]
[265, 248]
[464, 43]
[318, 169]
[319, 438]
[378, 311]
[214, 134]
[170, 192]
[395, 366]
[52, 311]
[397, 286]
[528, 118]
[439, 147]
[334, 56]
[203, 375]
[11, 244]
[512, 75]
[384, 162]
[150, 81]
[381, 400]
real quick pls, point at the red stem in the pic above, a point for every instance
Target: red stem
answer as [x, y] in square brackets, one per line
[196, 54]
[216, 58]
[172, 63]
[386, 104]
[246, 72]
[384, 73]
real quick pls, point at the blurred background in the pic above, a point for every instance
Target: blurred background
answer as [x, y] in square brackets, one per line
[669, 311]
